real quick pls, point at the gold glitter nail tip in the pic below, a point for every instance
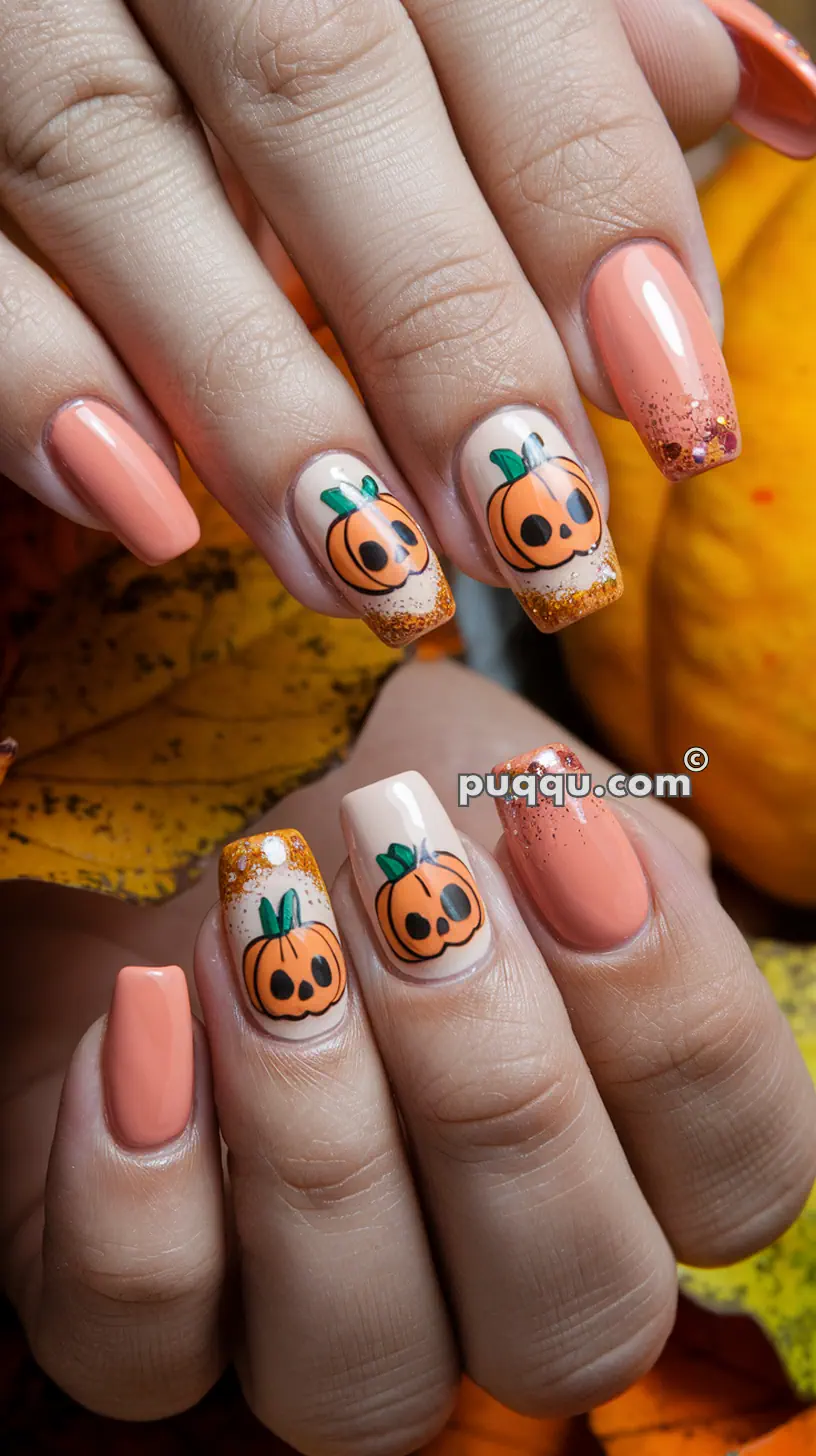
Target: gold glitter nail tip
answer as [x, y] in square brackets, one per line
[282, 934]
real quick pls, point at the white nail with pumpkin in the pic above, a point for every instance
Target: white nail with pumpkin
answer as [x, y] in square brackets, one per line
[375, 553]
[415, 878]
[282, 934]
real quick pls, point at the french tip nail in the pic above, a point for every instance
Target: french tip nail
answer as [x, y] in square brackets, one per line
[777, 96]
[148, 1064]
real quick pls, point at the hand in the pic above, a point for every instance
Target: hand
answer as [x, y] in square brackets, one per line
[489, 204]
[580, 1097]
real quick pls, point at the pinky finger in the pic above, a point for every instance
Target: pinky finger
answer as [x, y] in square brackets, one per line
[123, 1311]
[75, 431]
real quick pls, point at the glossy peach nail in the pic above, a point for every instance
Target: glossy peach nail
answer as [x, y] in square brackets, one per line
[372, 549]
[147, 1059]
[663, 360]
[282, 934]
[541, 515]
[777, 95]
[117, 475]
[414, 878]
[573, 856]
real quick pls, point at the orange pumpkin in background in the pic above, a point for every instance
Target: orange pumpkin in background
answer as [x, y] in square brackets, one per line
[293, 970]
[428, 902]
[374, 544]
[546, 512]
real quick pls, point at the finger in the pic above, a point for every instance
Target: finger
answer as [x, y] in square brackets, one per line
[434, 313]
[691, 1054]
[103, 165]
[594, 195]
[689, 62]
[777, 94]
[347, 1345]
[122, 1304]
[562, 1284]
[74, 429]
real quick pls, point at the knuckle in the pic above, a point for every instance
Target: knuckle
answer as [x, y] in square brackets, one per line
[81, 124]
[304, 55]
[165, 1276]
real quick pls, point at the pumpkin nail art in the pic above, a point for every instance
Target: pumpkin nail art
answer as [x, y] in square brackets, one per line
[282, 933]
[374, 551]
[543, 518]
[415, 878]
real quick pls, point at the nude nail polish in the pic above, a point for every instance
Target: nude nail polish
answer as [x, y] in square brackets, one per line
[372, 549]
[114, 472]
[282, 934]
[147, 1057]
[777, 95]
[541, 515]
[414, 878]
[663, 360]
[570, 852]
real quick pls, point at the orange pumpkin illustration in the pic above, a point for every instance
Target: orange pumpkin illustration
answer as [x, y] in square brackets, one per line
[546, 512]
[428, 902]
[293, 970]
[374, 544]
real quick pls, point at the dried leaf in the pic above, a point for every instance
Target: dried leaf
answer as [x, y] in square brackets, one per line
[158, 711]
[480, 1426]
[778, 1286]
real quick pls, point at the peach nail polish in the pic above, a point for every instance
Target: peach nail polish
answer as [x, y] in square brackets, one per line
[573, 857]
[373, 550]
[282, 934]
[777, 96]
[414, 878]
[147, 1058]
[542, 517]
[114, 472]
[663, 359]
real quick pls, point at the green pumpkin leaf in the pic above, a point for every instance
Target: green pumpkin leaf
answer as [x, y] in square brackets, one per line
[269, 920]
[339, 498]
[393, 869]
[289, 912]
[510, 462]
[370, 487]
[403, 854]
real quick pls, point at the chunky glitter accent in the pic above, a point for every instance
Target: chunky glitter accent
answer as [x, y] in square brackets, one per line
[400, 628]
[244, 861]
[552, 610]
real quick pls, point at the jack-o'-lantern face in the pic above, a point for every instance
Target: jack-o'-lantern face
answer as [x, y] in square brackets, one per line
[546, 512]
[428, 902]
[374, 544]
[293, 970]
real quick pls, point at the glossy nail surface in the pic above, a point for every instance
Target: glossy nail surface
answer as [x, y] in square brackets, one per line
[414, 878]
[282, 934]
[573, 858]
[663, 360]
[541, 515]
[777, 96]
[115, 473]
[372, 549]
[147, 1058]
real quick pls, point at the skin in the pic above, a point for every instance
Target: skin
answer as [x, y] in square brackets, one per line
[650, 1100]
[113, 180]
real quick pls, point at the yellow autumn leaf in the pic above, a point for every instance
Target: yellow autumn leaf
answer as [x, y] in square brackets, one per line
[778, 1286]
[158, 711]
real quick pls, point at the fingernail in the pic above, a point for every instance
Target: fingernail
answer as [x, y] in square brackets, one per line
[414, 878]
[663, 360]
[282, 934]
[374, 551]
[542, 517]
[147, 1058]
[571, 852]
[114, 472]
[777, 95]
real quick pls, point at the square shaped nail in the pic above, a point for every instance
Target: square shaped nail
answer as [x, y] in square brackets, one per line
[541, 515]
[282, 934]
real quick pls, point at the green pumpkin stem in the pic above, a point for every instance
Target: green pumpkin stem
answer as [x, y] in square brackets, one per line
[370, 487]
[399, 861]
[269, 920]
[276, 924]
[345, 499]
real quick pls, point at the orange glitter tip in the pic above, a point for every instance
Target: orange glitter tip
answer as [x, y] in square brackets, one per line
[245, 862]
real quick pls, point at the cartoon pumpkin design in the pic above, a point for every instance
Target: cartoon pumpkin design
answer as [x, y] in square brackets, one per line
[428, 902]
[293, 970]
[546, 512]
[374, 544]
